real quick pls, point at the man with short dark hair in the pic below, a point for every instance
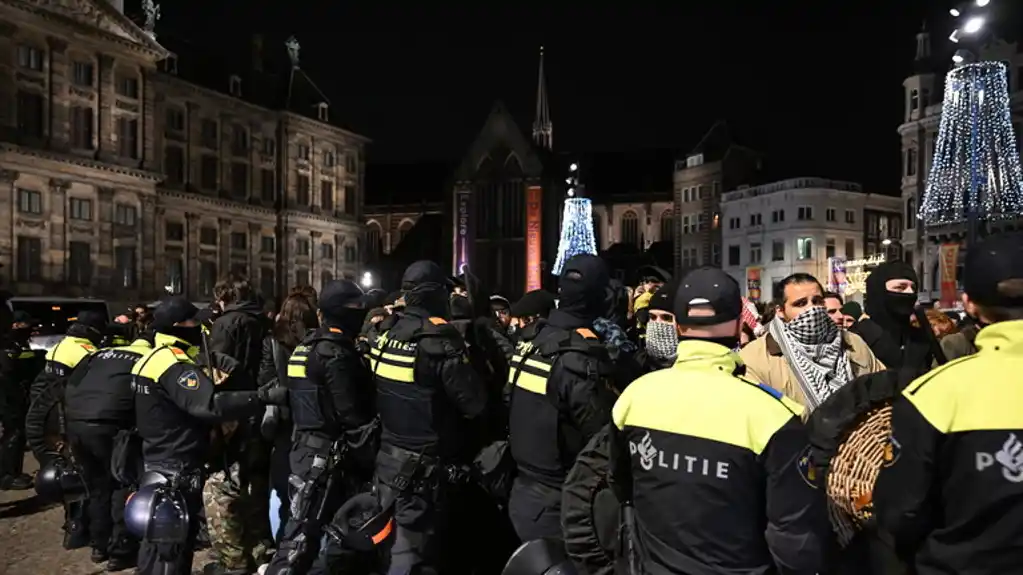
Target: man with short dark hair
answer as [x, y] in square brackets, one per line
[804, 354]
[833, 305]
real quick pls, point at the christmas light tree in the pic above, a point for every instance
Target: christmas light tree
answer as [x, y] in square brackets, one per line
[576, 232]
[975, 174]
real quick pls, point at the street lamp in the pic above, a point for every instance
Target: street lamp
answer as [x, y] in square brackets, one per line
[367, 280]
[572, 180]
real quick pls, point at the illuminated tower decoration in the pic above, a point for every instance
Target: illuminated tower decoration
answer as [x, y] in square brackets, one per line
[975, 175]
[576, 224]
[543, 129]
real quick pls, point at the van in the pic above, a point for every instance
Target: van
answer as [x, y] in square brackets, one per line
[53, 315]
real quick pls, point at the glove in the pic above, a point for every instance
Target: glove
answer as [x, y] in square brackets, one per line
[275, 395]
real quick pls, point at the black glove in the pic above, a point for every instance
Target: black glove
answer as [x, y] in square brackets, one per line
[273, 395]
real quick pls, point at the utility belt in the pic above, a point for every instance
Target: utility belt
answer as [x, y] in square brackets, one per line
[420, 473]
[309, 495]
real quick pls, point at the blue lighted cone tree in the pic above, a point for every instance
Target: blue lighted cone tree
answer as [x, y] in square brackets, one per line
[975, 174]
[576, 232]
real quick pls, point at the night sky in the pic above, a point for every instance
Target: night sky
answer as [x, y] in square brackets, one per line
[815, 84]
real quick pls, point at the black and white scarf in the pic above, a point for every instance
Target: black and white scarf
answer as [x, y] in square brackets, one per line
[661, 340]
[812, 344]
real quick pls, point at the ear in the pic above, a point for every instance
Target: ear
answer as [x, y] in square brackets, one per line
[681, 330]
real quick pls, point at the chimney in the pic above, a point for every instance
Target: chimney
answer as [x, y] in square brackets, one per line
[257, 52]
[118, 4]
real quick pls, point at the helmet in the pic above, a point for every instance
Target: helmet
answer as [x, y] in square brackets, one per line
[157, 512]
[59, 481]
[539, 557]
[365, 522]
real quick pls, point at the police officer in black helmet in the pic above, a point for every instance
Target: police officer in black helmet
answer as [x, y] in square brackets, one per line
[427, 393]
[559, 397]
[176, 403]
[331, 407]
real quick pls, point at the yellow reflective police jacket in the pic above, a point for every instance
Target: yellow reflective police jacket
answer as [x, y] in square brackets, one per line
[44, 422]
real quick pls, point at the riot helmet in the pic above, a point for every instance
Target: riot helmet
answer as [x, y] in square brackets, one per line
[157, 512]
[58, 481]
[539, 557]
[365, 522]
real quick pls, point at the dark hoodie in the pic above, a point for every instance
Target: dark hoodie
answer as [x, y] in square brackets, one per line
[887, 329]
[582, 293]
[239, 333]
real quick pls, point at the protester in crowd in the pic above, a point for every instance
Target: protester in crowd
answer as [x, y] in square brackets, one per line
[833, 304]
[502, 311]
[852, 313]
[661, 338]
[531, 307]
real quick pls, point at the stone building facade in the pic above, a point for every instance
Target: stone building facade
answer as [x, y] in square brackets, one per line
[121, 180]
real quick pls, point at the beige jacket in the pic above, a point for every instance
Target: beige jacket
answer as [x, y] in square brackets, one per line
[765, 363]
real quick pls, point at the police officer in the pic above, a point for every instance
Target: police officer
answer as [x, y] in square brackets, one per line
[330, 395]
[100, 403]
[427, 395]
[22, 365]
[559, 397]
[950, 495]
[175, 407]
[715, 466]
[44, 422]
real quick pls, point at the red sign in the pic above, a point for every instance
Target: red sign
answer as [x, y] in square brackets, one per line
[534, 214]
[949, 257]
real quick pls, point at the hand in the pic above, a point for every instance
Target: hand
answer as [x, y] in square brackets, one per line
[276, 395]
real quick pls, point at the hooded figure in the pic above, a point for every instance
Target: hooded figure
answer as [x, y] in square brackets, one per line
[426, 288]
[582, 292]
[891, 300]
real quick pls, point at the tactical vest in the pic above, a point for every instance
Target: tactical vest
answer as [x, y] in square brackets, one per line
[67, 354]
[309, 401]
[99, 390]
[167, 432]
[543, 446]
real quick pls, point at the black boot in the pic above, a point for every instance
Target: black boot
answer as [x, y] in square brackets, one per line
[16, 482]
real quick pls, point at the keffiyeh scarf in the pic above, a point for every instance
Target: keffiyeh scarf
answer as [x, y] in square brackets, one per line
[812, 344]
[661, 340]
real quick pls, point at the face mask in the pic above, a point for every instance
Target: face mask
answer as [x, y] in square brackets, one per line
[661, 340]
[900, 304]
[813, 326]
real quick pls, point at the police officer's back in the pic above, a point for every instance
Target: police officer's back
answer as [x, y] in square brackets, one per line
[330, 395]
[19, 366]
[559, 396]
[951, 495]
[716, 466]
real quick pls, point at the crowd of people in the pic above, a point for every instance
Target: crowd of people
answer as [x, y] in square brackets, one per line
[674, 427]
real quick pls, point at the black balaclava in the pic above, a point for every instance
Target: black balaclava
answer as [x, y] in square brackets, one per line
[461, 307]
[426, 288]
[582, 292]
[891, 310]
[342, 305]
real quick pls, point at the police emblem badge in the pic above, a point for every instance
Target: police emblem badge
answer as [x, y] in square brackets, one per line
[189, 380]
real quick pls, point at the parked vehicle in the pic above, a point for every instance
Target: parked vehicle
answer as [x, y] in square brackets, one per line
[53, 316]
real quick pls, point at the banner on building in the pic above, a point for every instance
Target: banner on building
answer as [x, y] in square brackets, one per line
[753, 283]
[838, 279]
[534, 236]
[949, 256]
[463, 230]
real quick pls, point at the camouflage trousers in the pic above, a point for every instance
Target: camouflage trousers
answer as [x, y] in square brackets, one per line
[237, 504]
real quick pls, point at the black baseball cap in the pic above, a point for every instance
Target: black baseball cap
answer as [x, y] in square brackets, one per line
[663, 297]
[710, 287]
[94, 319]
[994, 260]
[654, 273]
[538, 302]
[339, 294]
[173, 310]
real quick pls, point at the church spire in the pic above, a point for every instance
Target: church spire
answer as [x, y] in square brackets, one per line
[543, 130]
[923, 44]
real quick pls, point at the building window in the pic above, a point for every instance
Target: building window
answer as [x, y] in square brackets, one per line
[756, 219]
[829, 248]
[327, 196]
[374, 240]
[850, 249]
[269, 146]
[79, 263]
[733, 255]
[208, 236]
[301, 277]
[326, 251]
[302, 247]
[351, 163]
[351, 254]
[239, 141]
[30, 57]
[803, 213]
[694, 160]
[328, 159]
[81, 128]
[777, 216]
[303, 152]
[734, 223]
[234, 86]
[403, 231]
[911, 162]
[128, 87]
[351, 197]
[267, 245]
[267, 281]
[240, 179]
[325, 278]
[829, 214]
[175, 231]
[30, 201]
[81, 209]
[266, 186]
[239, 270]
[175, 120]
[701, 221]
[850, 216]
[208, 172]
[690, 257]
[81, 74]
[630, 228]
[911, 213]
[128, 138]
[125, 215]
[667, 226]
[754, 253]
[207, 278]
[174, 276]
[239, 241]
[124, 261]
[208, 136]
[174, 165]
[30, 259]
[30, 114]
[302, 190]
[804, 248]
[715, 254]
[914, 100]
[778, 251]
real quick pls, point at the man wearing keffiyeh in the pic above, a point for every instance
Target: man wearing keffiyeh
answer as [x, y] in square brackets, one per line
[804, 354]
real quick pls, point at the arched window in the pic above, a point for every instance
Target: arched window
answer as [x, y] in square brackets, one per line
[668, 226]
[403, 229]
[597, 230]
[911, 213]
[374, 243]
[630, 228]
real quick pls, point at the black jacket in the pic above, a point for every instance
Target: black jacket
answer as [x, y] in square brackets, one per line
[239, 333]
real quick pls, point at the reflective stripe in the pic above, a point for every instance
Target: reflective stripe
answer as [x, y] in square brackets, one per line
[153, 364]
[27, 355]
[297, 361]
[394, 364]
[70, 351]
[529, 374]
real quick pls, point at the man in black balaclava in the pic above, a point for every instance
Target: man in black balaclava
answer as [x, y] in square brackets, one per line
[429, 400]
[559, 396]
[891, 299]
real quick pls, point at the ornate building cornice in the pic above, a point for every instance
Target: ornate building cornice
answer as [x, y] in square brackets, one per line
[82, 162]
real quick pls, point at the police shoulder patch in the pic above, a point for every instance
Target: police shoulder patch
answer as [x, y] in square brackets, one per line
[807, 470]
[189, 380]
